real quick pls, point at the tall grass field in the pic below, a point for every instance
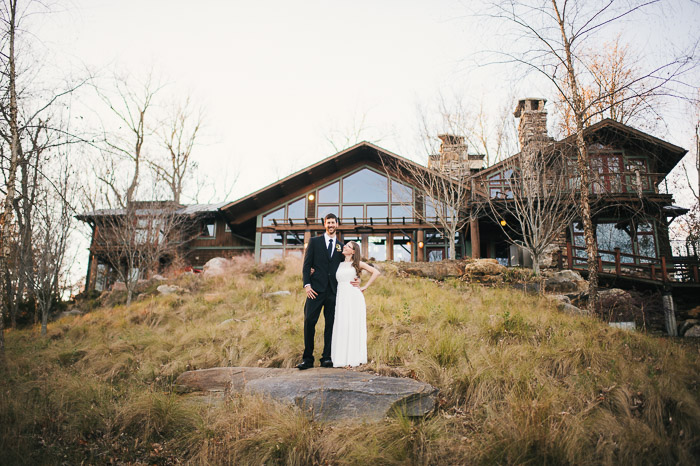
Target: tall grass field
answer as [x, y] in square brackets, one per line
[520, 382]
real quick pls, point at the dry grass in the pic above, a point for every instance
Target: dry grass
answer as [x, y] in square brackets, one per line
[520, 383]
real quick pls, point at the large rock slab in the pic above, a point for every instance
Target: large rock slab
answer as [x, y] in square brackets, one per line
[324, 394]
[436, 270]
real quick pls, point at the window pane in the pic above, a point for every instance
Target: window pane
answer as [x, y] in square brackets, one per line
[277, 215]
[610, 237]
[434, 237]
[267, 255]
[378, 212]
[645, 227]
[646, 246]
[435, 255]
[402, 248]
[350, 211]
[400, 211]
[401, 193]
[297, 209]
[365, 186]
[295, 238]
[377, 248]
[327, 209]
[208, 230]
[298, 253]
[329, 193]
[272, 239]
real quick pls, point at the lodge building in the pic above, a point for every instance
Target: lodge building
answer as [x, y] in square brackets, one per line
[379, 206]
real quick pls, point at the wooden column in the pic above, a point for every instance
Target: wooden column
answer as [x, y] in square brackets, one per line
[389, 247]
[475, 238]
[420, 251]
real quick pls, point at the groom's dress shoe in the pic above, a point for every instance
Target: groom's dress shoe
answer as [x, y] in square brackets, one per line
[304, 365]
[327, 363]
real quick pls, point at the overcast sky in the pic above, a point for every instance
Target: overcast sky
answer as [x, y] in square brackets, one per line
[278, 78]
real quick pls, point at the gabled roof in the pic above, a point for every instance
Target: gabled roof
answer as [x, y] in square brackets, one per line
[194, 209]
[300, 182]
[666, 154]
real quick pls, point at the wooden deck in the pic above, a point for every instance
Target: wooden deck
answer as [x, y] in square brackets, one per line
[676, 272]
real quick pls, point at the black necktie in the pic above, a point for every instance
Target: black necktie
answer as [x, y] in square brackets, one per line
[330, 247]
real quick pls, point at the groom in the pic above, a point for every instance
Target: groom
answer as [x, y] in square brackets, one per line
[321, 261]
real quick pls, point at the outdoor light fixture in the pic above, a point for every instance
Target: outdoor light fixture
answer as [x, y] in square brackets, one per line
[420, 244]
[503, 223]
[408, 244]
[311, 197]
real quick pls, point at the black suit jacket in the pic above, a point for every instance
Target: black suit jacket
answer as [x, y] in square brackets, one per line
[324, 266]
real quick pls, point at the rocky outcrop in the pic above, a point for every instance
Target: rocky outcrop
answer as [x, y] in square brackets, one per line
[564, 281]
[436, 270]
[324, 394]
[484, 271]
[169, 289]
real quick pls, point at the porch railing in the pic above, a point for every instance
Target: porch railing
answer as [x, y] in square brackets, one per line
[622, 264]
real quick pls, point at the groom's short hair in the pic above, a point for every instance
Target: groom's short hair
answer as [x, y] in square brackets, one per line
[331, 215]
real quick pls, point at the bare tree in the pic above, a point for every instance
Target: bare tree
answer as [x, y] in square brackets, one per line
[178, 134]
[612, 68]
[442, 199]
[538, 199]
[550, 38]
[54, 214]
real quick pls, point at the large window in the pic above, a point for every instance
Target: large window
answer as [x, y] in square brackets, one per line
[633, 238]
[294, 211]
[366, 196]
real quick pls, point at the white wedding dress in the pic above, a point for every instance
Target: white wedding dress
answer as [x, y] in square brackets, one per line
[349, 343]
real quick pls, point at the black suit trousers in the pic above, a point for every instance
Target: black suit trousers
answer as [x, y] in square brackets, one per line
[312, 311]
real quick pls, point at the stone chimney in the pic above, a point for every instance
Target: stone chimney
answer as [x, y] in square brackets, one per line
[533, 122]
[453, 159]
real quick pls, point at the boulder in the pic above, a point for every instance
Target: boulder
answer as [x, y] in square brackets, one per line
[484, 271]
[693, 331]
[564, 281]
[687, 324]
[276, 294]
[439, 270]
[119, 286]
[323, 394]
[216, 267]
[158, 278]
[169, 289]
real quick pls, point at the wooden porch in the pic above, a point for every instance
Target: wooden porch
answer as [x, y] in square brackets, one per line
[674, 272]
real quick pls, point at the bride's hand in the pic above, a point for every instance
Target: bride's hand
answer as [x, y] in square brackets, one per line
[355, 282]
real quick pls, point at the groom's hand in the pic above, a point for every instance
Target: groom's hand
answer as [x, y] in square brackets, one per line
[310, 293]
[356, 282]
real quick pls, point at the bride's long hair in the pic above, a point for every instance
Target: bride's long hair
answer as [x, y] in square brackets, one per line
[356, 256]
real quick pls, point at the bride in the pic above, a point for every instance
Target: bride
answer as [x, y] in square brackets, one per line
[349, 341]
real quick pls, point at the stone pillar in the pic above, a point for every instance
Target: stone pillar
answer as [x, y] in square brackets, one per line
[476, 243]
[670, 314]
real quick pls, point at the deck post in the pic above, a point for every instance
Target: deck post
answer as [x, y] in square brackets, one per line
[652, 267]
[664, 271]
[670, 314]
[475, 237]
[618, 269]
[695, 274]
[569, 256]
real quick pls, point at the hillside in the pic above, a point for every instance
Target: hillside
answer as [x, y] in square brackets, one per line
[520, 381]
